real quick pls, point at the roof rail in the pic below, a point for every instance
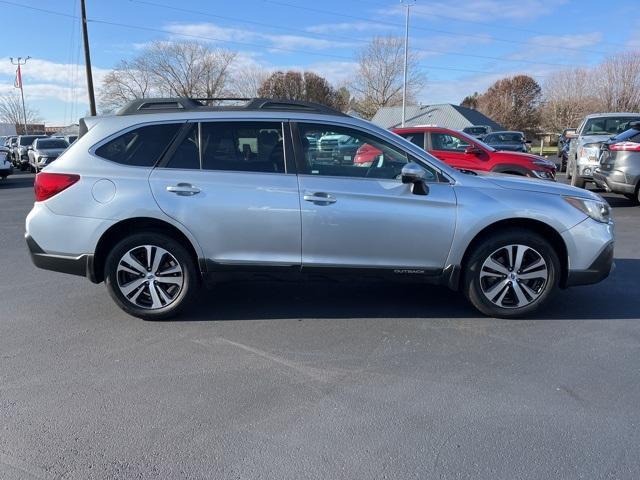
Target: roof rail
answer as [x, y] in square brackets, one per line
[166, 105]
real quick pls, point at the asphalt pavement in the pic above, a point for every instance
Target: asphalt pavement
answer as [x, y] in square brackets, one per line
[316, 380]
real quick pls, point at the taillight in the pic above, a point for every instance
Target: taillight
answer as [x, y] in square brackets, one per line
[625, 146]
[49, 184]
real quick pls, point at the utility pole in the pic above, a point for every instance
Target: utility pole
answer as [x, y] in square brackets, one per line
[18, 84]
[407, 4]
[87, 60]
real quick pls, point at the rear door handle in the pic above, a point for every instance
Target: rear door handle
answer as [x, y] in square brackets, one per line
[183, 189]
[321, 198]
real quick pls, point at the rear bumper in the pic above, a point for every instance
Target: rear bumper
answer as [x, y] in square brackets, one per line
[81, 265]
[597, 271]
[607, 181]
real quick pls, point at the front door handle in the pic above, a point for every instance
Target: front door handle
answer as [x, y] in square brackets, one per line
[183, 189]
[320, 198]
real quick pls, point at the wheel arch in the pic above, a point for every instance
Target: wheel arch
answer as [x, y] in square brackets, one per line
[537, 226]
[138, 225]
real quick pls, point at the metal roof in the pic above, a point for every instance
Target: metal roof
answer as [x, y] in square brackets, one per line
[443, 115]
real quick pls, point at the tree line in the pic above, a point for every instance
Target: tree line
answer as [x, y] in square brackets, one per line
[567, 95]
[198, 70]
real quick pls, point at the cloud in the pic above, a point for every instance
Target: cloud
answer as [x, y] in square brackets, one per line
[367, 27]
[482, 10]
[214, 33]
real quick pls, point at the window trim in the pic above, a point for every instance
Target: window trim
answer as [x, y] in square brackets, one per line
[198, 122]
[92, 149]
[441, 177]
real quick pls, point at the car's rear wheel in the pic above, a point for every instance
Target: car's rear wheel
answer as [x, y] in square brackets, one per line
[634, 197]
[511, 274]
[150, 275]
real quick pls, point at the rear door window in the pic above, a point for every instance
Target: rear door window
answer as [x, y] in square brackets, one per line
[140, 147]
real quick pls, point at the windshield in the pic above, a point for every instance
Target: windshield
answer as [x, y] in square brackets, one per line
[52, 143]
[476, 141]
[607, 125]
[507, 137]
[27, 140]
[475, 130]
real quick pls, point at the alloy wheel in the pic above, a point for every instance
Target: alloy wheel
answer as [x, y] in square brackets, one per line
[150, 277]
[513, 276]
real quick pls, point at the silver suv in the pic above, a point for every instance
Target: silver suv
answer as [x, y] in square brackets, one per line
[169, 193]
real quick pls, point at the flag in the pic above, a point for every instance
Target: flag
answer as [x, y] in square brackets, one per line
[18, 82]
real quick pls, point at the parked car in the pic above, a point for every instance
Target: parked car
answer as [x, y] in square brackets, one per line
[584, 149]
[509, 141]
[6, 168]
[335, 149]
[478, 131]
[20, 152]
[12, 145]
[44, 151]
[619, 169]
[125, 205]
[565, 138]
[464, 152]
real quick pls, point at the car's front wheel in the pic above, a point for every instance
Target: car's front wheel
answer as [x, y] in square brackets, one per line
[150, 275]
[511, 274]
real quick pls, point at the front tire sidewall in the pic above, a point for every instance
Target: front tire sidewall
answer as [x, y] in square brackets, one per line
[190, 281]
[471, 285]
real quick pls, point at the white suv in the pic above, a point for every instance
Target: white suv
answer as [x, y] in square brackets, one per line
[169, 192]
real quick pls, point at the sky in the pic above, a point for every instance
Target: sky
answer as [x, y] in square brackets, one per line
[462, 46]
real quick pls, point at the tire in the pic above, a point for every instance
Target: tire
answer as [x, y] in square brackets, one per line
[140, 292]
[499, 292]
[634, 197]
[576, 181]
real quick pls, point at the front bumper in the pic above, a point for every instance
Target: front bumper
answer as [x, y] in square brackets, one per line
[597, 271]
[613, 181]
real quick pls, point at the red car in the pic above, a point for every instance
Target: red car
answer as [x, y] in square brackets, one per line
[465, 152]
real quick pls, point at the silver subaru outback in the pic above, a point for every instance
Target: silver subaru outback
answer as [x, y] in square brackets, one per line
[170, 193]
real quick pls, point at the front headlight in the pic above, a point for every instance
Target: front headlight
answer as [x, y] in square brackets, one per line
[589, 151]
[599, 211]
[43, 159]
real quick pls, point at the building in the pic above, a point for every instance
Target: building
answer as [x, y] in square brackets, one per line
[442, 115]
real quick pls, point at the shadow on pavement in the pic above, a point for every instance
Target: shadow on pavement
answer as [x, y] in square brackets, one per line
[614, 298]
[17, 181]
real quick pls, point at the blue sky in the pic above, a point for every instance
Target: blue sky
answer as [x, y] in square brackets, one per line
[463, 46]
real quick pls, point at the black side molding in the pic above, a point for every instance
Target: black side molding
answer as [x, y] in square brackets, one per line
[81, 265]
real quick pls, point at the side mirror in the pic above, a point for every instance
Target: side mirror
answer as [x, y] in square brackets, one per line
[412, 173]
[573, 134]
[471, 150]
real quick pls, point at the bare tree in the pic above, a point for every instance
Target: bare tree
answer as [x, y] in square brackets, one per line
[246, 81]
[569, 95]
[11, 111]
[513, 102]
[128, 81]
[618, 82]
[378, 80]
[182, 69]
[307, 86]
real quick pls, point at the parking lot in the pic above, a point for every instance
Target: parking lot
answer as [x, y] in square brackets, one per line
[315, 380]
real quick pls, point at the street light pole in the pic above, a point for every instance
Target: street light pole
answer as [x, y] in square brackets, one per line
[407, 4]
[19, 63]
[87, 60]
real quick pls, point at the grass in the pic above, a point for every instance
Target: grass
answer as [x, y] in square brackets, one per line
[547, 150]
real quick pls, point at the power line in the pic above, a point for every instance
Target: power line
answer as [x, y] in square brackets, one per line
[341, 37]
[268, 47]
[444, 32]
[475, 22]
[234, 42]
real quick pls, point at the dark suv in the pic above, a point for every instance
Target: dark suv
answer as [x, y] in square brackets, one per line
[619, 170]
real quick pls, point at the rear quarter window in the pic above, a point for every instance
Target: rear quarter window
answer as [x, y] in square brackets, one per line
[140, 147]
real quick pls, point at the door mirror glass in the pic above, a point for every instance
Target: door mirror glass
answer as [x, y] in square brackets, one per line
[413, 173]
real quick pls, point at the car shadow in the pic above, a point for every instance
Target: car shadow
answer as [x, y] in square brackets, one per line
[17, 181]
[614, 298]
